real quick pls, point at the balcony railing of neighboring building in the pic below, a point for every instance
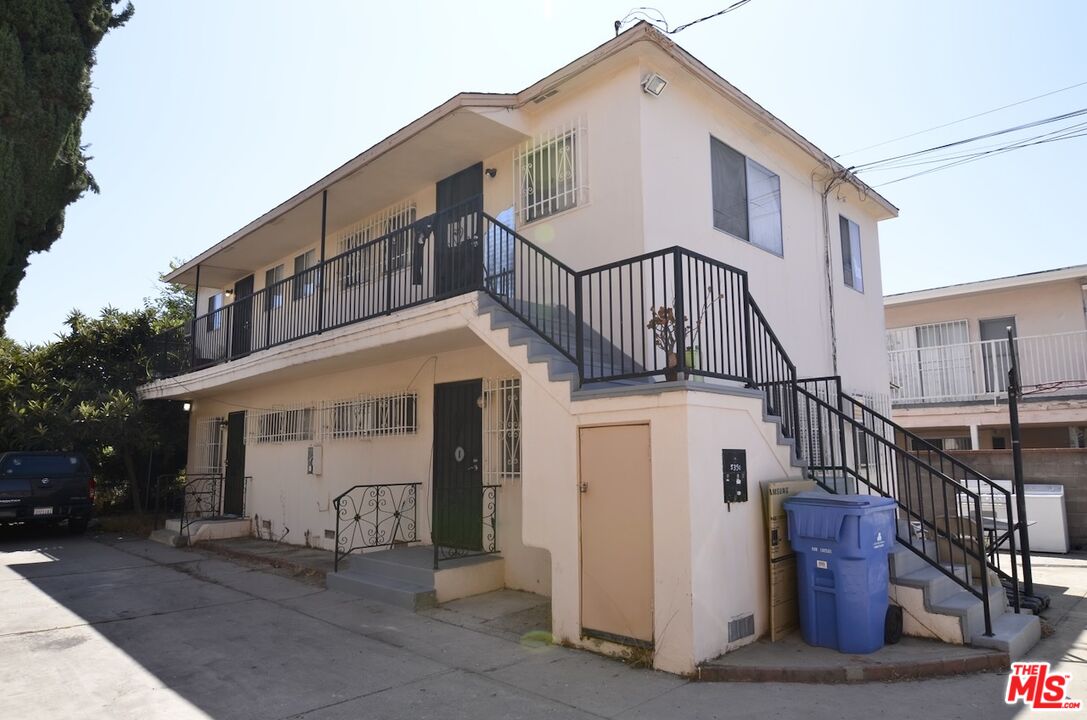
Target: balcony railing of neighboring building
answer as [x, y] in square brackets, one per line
[1051, 364]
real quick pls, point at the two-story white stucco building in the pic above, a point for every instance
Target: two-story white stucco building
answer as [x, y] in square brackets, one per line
[449, 343]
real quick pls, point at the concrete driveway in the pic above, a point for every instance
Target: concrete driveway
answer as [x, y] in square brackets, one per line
[122, 628]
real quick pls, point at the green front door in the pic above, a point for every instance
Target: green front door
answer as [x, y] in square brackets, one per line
[458, 466]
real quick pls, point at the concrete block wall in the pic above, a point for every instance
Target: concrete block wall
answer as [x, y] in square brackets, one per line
[1049, 466]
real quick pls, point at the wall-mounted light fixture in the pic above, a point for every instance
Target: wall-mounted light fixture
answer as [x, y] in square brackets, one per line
[654, 84]
[186, 406]
[228, 294]
[491, 172]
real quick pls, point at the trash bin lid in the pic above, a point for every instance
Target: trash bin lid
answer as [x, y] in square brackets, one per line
[823, 499]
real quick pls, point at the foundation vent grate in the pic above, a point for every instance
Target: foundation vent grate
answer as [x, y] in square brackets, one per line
[330, 534]
[741, 627]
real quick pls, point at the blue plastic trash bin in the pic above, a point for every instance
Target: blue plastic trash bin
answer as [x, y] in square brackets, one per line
[841, 543]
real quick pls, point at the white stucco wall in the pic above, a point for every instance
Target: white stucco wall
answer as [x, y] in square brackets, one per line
[791, 289]
[281, 492]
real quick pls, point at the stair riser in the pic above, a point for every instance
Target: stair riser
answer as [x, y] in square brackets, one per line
[361, 566]
[371, 591]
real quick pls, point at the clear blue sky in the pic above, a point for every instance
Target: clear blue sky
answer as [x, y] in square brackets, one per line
[208, 113]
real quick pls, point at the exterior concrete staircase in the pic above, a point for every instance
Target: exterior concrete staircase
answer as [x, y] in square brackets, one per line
[561, 370]
[934, 606]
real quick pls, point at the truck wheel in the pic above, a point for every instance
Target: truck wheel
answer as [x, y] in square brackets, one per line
[892, 628]
[77, 526]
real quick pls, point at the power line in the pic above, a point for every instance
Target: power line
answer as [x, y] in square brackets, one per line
[658, 20]
[979, 156]
[1056, 118]
[896, 165]
[960, 120]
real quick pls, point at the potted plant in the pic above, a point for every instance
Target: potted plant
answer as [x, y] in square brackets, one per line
[663, 324]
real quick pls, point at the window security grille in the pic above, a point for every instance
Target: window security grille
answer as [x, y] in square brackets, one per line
[209, 446]
[370, 416]
[284, 424]
[501, 430]
[369, 264]
[551, 172]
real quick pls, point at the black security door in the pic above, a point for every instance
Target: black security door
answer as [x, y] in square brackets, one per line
[458, 466]
[234, 482]
[242, 318]
[459, 248]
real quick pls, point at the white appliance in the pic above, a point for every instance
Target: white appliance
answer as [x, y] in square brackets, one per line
[1046, 516]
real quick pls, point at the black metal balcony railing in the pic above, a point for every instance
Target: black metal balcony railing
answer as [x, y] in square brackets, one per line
[672, 312]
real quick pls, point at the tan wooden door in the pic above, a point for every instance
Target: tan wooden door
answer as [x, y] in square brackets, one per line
[616, 533]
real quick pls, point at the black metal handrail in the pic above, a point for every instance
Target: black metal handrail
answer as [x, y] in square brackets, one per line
[375, 515]
[458, 535]
[845, 455]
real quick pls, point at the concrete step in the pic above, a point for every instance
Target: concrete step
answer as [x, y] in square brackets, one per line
[390, 565]
[169, 537]
[393, 591]
[1012, 633]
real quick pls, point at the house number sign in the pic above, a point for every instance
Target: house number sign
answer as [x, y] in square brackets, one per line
[458, 454]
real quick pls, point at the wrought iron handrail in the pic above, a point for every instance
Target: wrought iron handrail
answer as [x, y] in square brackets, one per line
[375, 515]
[460, 544]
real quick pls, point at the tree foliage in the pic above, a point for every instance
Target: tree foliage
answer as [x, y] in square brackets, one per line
[79, 392]
[47, 50]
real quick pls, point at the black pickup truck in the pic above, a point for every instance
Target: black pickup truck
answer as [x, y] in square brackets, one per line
[46, 487]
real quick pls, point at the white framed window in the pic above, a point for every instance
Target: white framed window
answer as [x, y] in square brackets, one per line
[746, 198]
[550, 172]
[215, 314]
[287, 424]
[209, 446]
[370, 416]
[274, 287]
[367, 265]
[501, 430]
[305, 283]
[852, 267]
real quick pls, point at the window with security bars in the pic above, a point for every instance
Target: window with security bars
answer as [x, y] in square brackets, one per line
[502, 430]
[293, 424]
[369, 264]
[551, 173]
[209, 446]
[371, 416]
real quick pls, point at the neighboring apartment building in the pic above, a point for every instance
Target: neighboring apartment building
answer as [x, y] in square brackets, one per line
[949, 359]
[465, 339]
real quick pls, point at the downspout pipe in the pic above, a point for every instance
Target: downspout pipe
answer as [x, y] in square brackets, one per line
[834, 181]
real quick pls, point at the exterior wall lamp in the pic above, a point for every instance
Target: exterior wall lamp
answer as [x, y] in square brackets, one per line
[186, 406]
[654, 84]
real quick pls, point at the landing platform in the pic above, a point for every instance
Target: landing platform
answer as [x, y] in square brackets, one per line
[792, 660]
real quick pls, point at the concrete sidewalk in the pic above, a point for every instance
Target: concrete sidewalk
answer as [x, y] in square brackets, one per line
[122, 628]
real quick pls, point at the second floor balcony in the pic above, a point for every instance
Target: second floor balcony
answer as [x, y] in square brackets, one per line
[1054, 364]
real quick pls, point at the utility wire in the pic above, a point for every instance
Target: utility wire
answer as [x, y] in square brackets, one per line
[956, 143]
[961, 120]
[982, 155]
[658, 20]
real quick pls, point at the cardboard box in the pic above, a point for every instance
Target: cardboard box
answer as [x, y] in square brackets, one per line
[782, 560]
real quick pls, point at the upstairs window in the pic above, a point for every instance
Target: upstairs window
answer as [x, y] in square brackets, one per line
[852, 269]
[305, 283]
[273, 287]
[746, 198]
[550, 172]
[366, 265]
[215, 314]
